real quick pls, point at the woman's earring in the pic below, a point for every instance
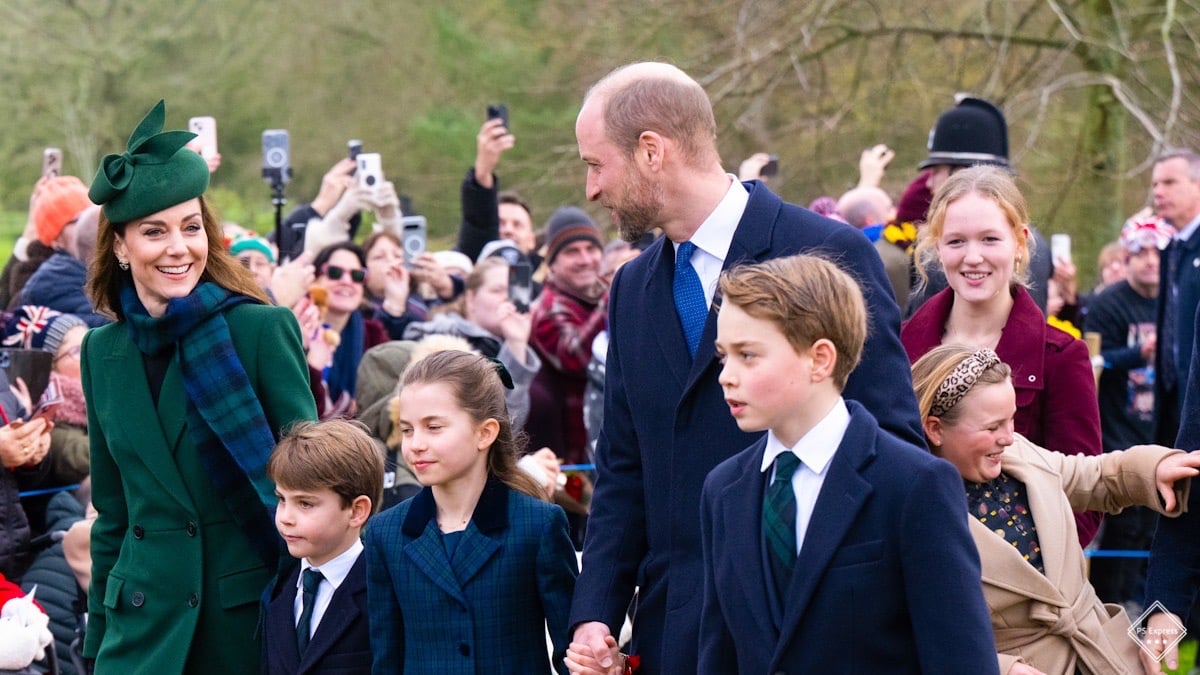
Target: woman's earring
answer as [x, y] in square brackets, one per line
[123, 264]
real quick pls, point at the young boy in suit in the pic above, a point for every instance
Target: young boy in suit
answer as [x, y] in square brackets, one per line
[328, 478]
[828, 545]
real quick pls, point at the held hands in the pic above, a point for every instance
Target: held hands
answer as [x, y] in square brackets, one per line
[1175, 468]
[873, 163]
[1162, 629]
[493, 139]
[593, 651]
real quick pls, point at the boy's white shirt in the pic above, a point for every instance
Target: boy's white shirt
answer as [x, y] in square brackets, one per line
[815, 450]
[334, 572]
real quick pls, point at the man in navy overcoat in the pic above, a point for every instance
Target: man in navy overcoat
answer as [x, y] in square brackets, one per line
[648, 136]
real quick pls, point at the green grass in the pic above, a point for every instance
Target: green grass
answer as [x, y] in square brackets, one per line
[1187, 657]
[12, 223]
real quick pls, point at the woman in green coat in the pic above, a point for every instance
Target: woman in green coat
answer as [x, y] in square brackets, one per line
[187, 393]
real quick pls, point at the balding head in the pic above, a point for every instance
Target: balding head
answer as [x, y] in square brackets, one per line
[656, 97]
[865, 206]
[85, 234]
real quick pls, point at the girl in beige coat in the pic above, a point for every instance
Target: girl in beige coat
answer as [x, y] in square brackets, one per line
[1045, 615]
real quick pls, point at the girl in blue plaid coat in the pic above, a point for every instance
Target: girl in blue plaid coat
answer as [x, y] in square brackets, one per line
[468, 575]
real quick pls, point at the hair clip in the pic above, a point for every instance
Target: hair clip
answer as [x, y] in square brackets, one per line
[502, 371]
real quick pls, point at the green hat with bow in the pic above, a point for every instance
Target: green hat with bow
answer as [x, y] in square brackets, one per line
[154, 173]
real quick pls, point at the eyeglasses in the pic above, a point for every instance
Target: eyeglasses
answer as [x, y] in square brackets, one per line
[334, 273]
[72, 352]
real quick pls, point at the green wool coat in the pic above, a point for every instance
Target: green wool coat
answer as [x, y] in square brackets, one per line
[175, 583]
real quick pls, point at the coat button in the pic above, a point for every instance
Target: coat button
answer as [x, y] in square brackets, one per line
[191, 529]
[464, 649]
[193, 600]
[138, 599]
[1033, 378]
[138, 532]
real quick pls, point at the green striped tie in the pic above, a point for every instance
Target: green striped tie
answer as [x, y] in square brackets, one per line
[779, 522]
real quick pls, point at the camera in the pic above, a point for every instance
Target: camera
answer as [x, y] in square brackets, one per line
[412, 237]
[354, 148]
[370, 169]
[52, 162]
[498, 111]
[276, 167]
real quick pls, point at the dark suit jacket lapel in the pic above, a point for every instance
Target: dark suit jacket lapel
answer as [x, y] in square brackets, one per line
[842, 496]
[145, 435]
[348, 603]
[281, 622]
[660, 292]
[741, 503]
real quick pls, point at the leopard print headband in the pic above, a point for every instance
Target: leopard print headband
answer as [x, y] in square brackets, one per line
[961, 380]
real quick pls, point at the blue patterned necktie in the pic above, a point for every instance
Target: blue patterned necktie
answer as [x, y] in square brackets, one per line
[779, 522]
[689, 297]
[311, 579]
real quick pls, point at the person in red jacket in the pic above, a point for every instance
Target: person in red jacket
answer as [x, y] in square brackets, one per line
[567, 316]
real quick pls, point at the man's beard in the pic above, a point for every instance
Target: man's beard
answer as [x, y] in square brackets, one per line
[640, 210]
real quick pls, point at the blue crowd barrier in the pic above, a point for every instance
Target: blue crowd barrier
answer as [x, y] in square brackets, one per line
[1115, 553]
[49, 491]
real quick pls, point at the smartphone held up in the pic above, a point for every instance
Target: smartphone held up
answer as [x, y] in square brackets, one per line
[205, 129]
[51, 162]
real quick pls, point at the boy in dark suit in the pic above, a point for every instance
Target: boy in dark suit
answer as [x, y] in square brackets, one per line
[328, 478]
[828, 545]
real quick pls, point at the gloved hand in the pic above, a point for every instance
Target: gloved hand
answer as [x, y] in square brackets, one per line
[387, 207]
[27, 614]
[20, 644]
[335, 226]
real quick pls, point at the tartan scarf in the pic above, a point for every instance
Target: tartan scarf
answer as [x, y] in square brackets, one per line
[224, 416]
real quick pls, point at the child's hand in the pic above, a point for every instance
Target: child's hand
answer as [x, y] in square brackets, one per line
[593, 651]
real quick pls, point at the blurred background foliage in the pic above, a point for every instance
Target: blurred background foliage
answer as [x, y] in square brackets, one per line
[1092, 89]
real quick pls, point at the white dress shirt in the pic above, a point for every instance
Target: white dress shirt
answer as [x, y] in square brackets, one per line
[334, 572]
[815, 450]
[714, 236]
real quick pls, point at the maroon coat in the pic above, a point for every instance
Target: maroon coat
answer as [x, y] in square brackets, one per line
[1052, 374]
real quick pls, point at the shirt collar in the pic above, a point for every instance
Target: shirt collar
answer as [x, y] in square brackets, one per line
[1186, 232]
[817, 447]
[335, 571]
[715, 234]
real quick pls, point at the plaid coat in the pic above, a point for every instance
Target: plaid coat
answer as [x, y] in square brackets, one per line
[485, 611]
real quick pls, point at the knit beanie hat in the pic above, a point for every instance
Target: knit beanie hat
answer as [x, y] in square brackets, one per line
[38, 327]
[154, 173]
[61, 199]
[252, 243]
[566, 225]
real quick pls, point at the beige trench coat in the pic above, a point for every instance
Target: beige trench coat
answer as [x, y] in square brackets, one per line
[1055, 622]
